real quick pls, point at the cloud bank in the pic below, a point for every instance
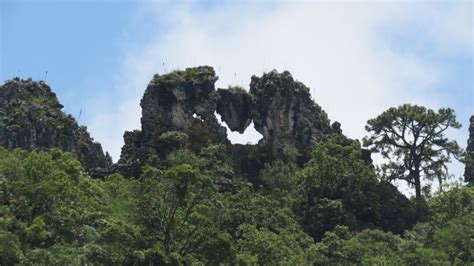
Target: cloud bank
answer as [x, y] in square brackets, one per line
[357, 58]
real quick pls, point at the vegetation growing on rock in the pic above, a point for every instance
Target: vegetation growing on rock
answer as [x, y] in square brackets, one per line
[181, 194]
[31, 118]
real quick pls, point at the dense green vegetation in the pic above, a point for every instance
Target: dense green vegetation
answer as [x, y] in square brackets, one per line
[182, 194]
[193, 208]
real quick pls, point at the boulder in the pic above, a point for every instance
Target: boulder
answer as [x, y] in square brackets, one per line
[235, 107]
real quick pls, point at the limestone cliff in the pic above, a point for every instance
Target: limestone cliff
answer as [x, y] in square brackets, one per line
[285, 113]
[185, 102]
[31, 118]
[182, 101]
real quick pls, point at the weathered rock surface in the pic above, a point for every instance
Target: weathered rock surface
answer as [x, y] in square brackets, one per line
[31, 118]
[285, 113]
[235, 106]
[186, 101]
[469, 170]
[181, 101]
[178, 111]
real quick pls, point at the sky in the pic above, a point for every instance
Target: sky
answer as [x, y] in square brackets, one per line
[358, 57]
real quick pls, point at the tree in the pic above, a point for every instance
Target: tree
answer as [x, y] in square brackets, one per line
[337, 188]
[176, 213]
[413, 140]
[449, 229]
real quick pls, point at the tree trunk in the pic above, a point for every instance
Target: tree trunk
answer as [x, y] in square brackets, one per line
[416, 177]
[417, 185]
[420, 202]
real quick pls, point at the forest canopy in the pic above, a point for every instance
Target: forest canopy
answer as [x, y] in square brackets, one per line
[182, 194]
[53, 213]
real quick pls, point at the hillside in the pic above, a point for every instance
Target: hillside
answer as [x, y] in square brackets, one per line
[182, 194]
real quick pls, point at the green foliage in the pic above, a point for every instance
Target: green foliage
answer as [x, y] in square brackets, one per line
[10, 246]
[195, 209]
[262, 246]
[194, 75]
[412, 139]
[373, 247]
[55, 212]
[216, 162]
[338, 188]
[237, 89]
[171, 141]
[175, 215]
[450, 227]
[264, 232]
[280, 182]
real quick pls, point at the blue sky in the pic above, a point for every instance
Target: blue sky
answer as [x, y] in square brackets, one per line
[78, 43]
[359, 58]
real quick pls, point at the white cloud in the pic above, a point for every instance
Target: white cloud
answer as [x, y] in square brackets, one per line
[338, 50]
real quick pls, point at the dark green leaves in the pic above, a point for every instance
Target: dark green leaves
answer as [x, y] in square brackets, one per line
[412, 139]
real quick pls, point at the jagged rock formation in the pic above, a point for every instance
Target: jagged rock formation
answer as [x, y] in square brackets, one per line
[181, 101]
[469, 170]
[31, 118]
[178, 110]
[186, 101]
[284, 112]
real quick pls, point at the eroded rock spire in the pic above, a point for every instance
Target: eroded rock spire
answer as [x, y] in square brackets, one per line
[31, 118]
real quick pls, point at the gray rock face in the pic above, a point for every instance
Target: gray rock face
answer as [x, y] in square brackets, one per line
[181, 101]
[179, 108]
[469, 170]
[31, 118]
[285, 113]
[235, 107]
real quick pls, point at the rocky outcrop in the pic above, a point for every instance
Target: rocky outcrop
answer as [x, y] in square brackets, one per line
[469, 170]
[178, 111]
[186, 102]
[181, 101]
[31, 118]
[285, 113]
